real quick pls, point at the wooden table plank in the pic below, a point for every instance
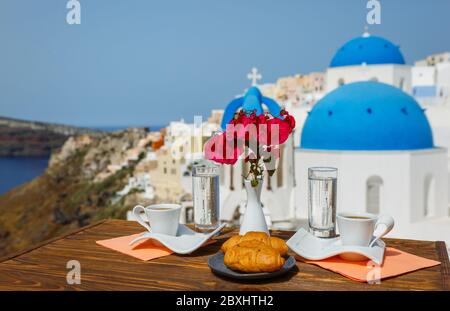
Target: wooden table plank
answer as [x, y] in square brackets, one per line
[44, 267]
[442, 252]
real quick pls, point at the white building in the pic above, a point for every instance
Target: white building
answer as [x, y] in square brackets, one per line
[423, 80]
[434, 59]
[140, 182]
[431, 84]
[398, 163]
[185, 140]
[368, 58]
[390, 151]
[371, 58]
[381, 142]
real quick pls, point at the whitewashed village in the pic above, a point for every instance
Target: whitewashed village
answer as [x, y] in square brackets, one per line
[410, 183]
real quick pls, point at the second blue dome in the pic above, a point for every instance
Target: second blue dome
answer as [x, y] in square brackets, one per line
[370, 50]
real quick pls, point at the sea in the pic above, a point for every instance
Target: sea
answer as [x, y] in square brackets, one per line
[15, 171]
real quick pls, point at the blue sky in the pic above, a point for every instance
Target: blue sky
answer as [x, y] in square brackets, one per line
[144, 62]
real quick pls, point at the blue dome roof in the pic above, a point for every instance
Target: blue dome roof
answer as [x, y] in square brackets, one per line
[367, 116]
[251, 101]
[368, 49]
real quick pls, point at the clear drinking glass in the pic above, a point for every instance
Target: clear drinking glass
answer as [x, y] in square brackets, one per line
[322, 201]
[205, 191]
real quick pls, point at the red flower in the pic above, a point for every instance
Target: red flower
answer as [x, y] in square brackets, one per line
[223, 148]
[277, 130]
[259, 133]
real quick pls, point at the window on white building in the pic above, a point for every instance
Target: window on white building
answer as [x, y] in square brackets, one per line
[373, 194]
[402, 84]
[429, 196]
[341, 82]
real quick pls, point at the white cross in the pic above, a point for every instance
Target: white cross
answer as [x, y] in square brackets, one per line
[366, 32]
[254, 76]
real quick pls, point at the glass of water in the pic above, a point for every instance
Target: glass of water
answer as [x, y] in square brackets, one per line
[205, 191]
[322, 193]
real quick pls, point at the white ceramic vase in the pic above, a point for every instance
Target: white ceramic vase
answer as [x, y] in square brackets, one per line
[254, 219]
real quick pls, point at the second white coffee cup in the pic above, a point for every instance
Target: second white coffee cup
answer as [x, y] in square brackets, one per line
[363, 229]
[162, 218]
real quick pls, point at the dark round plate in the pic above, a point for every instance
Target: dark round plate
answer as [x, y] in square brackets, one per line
[216, 264]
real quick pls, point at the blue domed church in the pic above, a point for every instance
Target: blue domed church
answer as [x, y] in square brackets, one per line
[367, 116]
[382, 143]
[369, 58]
[365, 123]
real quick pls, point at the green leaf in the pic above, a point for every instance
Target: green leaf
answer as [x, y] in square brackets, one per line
[254, 183]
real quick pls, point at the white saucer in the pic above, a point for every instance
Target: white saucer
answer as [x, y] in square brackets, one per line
[185, 242]
[313, 248]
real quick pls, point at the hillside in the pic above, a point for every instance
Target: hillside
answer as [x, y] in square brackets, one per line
[75, 190]
[29, 138]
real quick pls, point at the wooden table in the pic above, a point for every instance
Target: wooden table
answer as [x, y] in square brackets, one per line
[44, 267]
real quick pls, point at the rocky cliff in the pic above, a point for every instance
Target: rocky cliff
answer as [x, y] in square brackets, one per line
[28, 138]
[76, 189]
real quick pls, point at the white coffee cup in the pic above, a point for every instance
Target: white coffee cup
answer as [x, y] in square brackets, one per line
[162, 218]
[363, 229]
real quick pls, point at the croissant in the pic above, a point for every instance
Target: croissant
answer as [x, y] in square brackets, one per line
[253, 256]
[276, 243]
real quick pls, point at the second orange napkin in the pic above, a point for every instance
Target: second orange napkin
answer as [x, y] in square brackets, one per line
[396, 262]
[146, 250]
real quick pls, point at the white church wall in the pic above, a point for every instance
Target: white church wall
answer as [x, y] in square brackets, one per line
[423, 76]
[231, 190]
[429, 230]
[402, 174]
[439, 118]
[300, 114]
[278, 202]
[397, 75]
[392, 170]
[429, 184]
[277, 198]
[443, 83]
[431, 84]
[402, 78]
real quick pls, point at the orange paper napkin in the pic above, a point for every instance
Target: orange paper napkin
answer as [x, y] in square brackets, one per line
[145, 250]
[396, 262]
